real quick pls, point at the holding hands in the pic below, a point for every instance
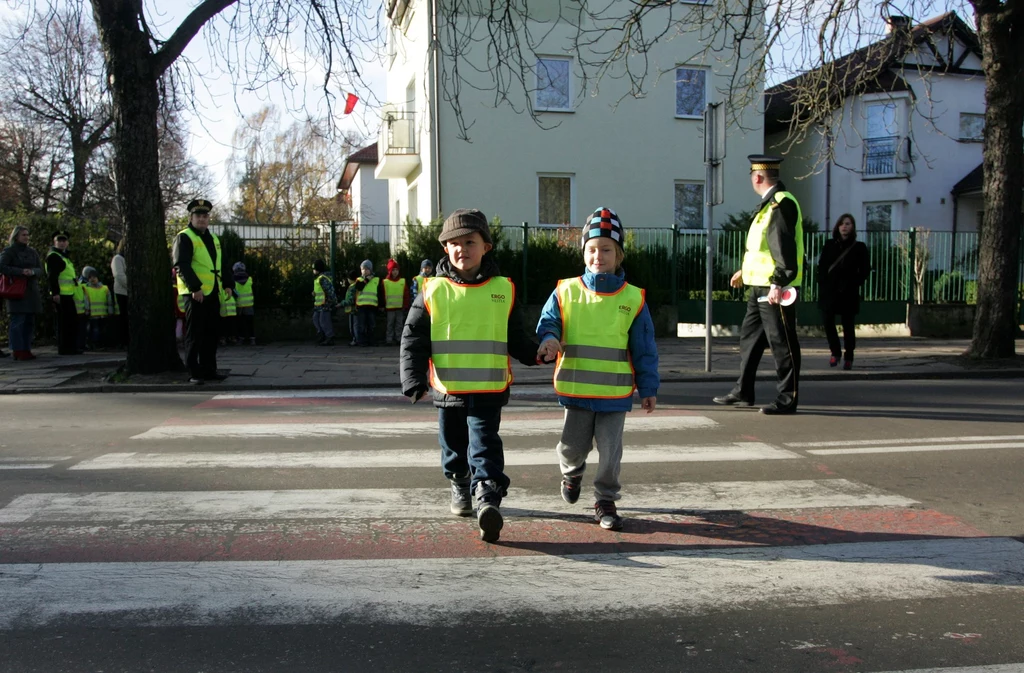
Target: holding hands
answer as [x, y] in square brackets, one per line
[548, 351]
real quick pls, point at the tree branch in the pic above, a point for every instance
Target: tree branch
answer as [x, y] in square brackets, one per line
[188, 28]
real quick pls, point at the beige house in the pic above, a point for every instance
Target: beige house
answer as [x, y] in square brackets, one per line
[642, 156]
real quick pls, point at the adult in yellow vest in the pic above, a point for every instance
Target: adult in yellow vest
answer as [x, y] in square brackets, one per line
[197, 258]
[773, 261]
[246, 304]
[63, 283]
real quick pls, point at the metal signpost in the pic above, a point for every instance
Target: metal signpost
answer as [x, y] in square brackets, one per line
[714, 153]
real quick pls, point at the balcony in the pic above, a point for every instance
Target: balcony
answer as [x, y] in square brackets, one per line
[397, 156]
[886, 157]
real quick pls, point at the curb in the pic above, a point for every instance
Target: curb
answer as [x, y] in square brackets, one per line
[979, 374]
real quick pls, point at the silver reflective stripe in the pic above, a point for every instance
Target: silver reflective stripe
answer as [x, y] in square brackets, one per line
[597, 353]
[594, 378]
[469, 348]
[449, 374]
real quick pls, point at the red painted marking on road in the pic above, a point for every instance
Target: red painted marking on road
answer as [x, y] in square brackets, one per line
[457, 538]
[427, 413]
[261, 402]
[840, 657]
[824, 469]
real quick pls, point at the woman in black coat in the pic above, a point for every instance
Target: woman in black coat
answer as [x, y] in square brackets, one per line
[18, 259]
[842, 269]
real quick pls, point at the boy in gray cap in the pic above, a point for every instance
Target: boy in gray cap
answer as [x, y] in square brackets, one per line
[461, 333]
[369, 300]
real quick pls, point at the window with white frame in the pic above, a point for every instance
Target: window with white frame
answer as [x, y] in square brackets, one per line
[691, 92]
[689, 205]
[881, 138]
[884, 217]
[554, 84]
[972, 127]
[554, 199]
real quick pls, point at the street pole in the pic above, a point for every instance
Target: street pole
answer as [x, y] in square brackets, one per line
[714, 153]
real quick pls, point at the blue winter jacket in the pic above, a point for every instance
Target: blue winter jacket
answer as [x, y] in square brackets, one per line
[642, 348]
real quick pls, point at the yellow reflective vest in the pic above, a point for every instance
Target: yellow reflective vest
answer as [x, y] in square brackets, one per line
[469, 335]
[420, 283]
[99, 301]
[595, 361]
[319, 296]
[758, 265]
[67, 280]
[368, 295]
[206, 269]
[228, 307]
[244, 291]
[394, 293]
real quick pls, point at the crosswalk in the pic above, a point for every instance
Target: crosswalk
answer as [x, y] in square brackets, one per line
[191, 554]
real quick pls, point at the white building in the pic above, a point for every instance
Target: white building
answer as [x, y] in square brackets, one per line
[642, 156]
[366, 196]
[903, 142]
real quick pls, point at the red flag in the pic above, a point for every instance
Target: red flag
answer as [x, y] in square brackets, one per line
[350, 102]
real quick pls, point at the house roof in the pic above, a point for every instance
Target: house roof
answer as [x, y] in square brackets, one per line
[971, 183]
[870, 69]
[367, 155]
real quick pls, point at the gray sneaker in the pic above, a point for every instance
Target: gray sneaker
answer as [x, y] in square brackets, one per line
[488, 514]
[571, 488]
[462, 499]
[606, 515]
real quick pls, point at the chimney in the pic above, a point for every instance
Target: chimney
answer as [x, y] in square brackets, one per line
[898, 24]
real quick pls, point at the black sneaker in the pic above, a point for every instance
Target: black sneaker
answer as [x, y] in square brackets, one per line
[462, 499]
[605, 514]
[488, 514]
[571, 488]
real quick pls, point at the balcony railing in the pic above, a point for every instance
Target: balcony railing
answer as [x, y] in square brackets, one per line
[883, 156]
[398, 133]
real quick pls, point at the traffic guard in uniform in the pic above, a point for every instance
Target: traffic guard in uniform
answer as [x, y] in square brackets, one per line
[773, 262]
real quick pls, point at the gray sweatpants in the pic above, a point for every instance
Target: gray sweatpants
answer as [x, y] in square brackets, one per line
[393, 329]
[579, 432]
[323, 323]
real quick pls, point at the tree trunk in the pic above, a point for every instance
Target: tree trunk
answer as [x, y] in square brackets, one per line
[132, 77]
[995, 324]
[80, 155]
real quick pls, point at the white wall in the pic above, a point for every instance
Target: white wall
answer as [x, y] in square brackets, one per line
[369, 196]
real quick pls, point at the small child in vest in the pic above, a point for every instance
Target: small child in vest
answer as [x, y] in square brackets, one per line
[396, 302]
[599, 328]
[324, 301]
[458, 343]
[369, 300]
[179, 310]
[420, 281]
[244, 305]
[99, 305]
[350, 305]
[228, 316]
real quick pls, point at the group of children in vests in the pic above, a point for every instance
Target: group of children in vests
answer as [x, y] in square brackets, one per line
[464, 327]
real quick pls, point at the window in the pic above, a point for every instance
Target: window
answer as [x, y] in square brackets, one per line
[413, 205]
[691, 85]
[689, 205]
[881, 139]
[554, 199]
[881, 217]
[553, 83]
[972, 127]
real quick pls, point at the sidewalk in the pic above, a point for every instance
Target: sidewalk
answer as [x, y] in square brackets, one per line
[294, 365]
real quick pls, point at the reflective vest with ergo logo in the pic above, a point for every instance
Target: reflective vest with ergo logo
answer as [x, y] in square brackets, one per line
[394, 293]
[469, 335]
[206, 268]
[595, 359]
[758, 265]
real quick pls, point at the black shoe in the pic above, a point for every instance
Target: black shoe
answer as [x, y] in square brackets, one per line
[196, 381]
[732, 399]
[571, 489]
[462, 499]
[216, 377]
[776, 409]
[606, 515]
[488, 516]
[329, 342]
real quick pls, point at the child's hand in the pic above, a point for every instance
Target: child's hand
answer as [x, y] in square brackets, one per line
[648, 403]
[548, 351]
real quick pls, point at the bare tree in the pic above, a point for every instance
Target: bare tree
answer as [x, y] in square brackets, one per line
[29, 165]
[52, 68]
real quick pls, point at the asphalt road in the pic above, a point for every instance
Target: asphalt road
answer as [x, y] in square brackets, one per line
[880, 529]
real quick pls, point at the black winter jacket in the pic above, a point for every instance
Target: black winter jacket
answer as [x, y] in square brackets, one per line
[415, 351]
[839, 288]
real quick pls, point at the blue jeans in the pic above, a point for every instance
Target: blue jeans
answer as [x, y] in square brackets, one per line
[23, 328]
[470, 445]
[95, 332]
[367, 325]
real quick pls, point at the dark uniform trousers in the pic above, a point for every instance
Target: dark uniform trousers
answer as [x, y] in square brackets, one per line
[774, 326]
[202, 325]
[67, 326]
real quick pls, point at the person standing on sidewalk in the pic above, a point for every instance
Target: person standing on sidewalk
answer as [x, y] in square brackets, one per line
[397, 300]
[119, 270]
[324, 301]
[18, 259]
[197, 258]
[842, 269]
[772, 262]
[65, 292]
